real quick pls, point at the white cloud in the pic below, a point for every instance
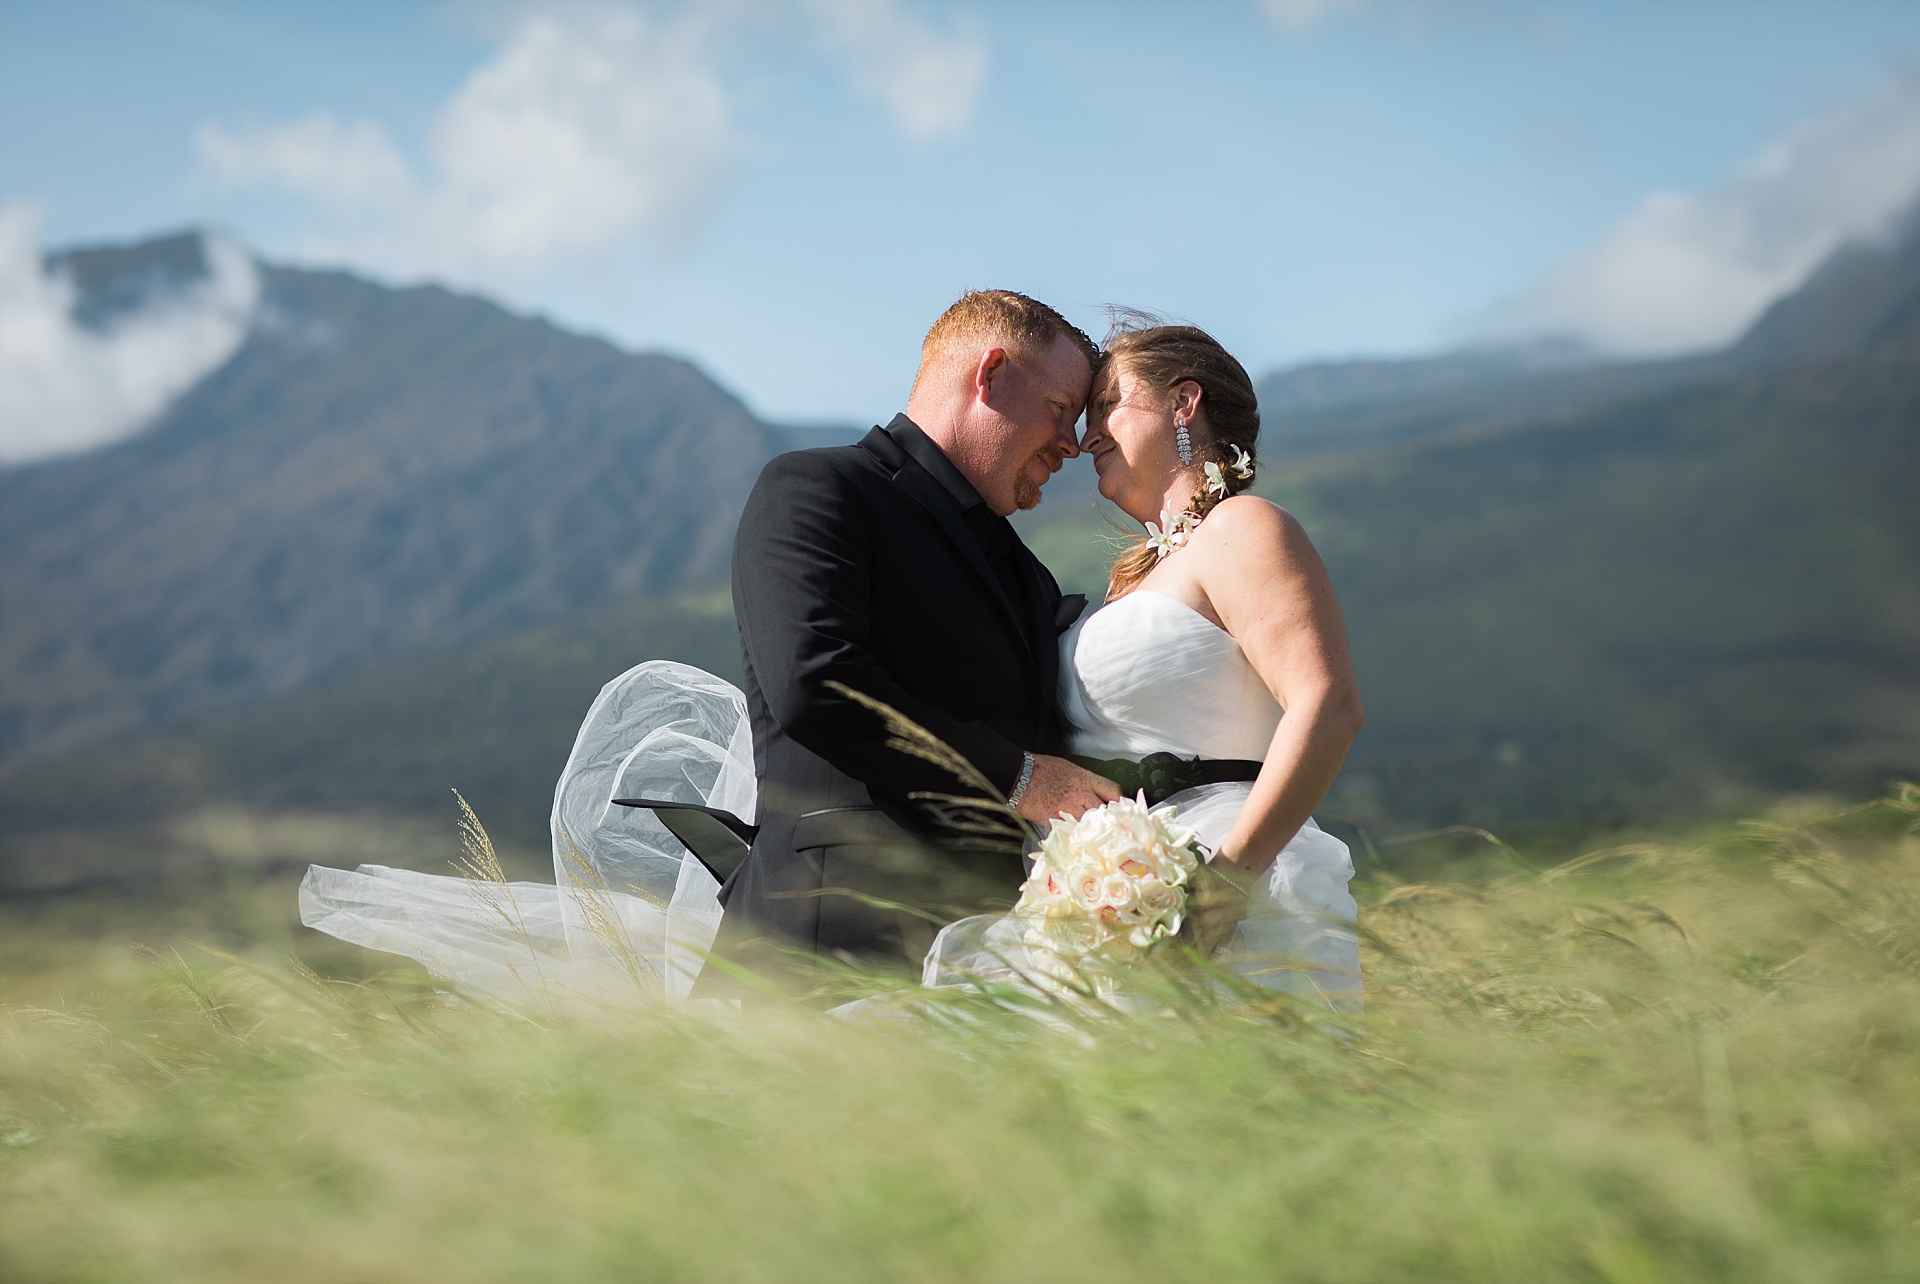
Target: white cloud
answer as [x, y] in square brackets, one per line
[1689, 271]
[592, 124]
[349, 166]
[65, 387]
[1297, 17]
[929, 81]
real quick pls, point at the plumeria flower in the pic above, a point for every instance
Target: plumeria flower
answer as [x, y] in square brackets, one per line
[1242, 465]
[1216, 480]
[1170, 533]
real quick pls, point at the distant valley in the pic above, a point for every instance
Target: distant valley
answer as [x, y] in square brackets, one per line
[397, 542]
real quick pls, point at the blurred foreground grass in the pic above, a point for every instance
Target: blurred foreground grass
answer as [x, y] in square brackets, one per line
[1687, 1059]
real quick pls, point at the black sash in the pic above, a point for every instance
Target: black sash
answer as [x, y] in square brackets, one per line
[1162, 775]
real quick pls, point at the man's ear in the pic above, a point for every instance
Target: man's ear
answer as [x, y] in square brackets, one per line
[991, 366]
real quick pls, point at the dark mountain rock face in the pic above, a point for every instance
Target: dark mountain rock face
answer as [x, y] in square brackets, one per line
[114, 281]
[376, 471]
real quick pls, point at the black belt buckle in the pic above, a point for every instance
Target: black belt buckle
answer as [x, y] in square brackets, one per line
[1162, 775]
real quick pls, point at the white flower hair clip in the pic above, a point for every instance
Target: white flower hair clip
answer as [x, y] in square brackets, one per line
[1241, 467]
[1170, 533]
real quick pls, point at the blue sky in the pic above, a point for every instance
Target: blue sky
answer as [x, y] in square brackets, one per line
[787, 191]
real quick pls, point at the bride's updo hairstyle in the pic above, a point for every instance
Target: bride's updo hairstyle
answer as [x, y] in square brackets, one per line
[1163, 357]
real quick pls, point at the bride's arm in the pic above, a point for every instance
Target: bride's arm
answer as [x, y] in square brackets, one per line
[1270, 589]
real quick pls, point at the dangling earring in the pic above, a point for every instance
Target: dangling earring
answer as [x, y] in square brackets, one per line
[1182, 442]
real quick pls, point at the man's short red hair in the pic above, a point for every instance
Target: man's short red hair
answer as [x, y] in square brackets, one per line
[999, 318]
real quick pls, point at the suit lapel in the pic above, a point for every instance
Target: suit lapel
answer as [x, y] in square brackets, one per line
[933, 497]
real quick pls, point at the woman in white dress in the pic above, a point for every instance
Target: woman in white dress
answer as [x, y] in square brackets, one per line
[1220, 653]
[1220, 644]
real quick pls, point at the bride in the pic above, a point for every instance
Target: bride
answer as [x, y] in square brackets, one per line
[1217, 623]
[1219, 658]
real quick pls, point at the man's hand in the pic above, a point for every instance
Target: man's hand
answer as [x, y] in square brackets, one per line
[1061, 786]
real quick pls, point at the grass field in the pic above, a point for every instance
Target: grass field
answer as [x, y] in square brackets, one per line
[1690, 1057]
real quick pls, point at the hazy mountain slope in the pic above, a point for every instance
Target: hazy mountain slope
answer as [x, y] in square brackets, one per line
[1863, 296]
[494, 719]
[1319, 386]
[1474, 409]
[1629, 612]
[1703, 578]
[1643, 611]
[1625, 611]
[376, 471]
[1626, 589]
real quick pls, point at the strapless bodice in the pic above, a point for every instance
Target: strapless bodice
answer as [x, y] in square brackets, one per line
[1148, 673]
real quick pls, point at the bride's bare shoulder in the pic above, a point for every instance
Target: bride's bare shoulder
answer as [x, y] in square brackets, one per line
[1248, 545]
[1242, 520]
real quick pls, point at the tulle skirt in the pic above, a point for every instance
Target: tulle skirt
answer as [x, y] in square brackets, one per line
[631, 913]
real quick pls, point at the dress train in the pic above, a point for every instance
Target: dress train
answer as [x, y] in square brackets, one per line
[630, 914]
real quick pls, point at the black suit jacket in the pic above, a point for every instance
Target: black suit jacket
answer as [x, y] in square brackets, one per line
[858, 565]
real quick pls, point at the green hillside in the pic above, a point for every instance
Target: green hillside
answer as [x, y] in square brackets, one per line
[1659, 606]
[1639, 610]
[376, 473]
[493, 720]
[1581, 597]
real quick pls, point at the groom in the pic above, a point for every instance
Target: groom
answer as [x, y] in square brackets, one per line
[889, 567]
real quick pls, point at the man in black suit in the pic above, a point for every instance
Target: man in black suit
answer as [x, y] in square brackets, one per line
[889, 567]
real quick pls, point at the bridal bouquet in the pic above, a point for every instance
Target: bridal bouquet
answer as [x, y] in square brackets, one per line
[1105, 889]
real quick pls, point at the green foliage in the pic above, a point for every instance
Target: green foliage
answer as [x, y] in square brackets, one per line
[1687, 1059]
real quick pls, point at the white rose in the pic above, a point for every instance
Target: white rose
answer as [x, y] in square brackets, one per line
[1121, 892]
[1163, 901]
[1086, 883]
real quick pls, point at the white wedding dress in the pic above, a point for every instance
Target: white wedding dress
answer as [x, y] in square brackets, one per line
[631, 913]
[1149, 674]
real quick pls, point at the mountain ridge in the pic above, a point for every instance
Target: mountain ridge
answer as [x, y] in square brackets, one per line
[375, 470]
[1865, 293]
[1586, 594]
